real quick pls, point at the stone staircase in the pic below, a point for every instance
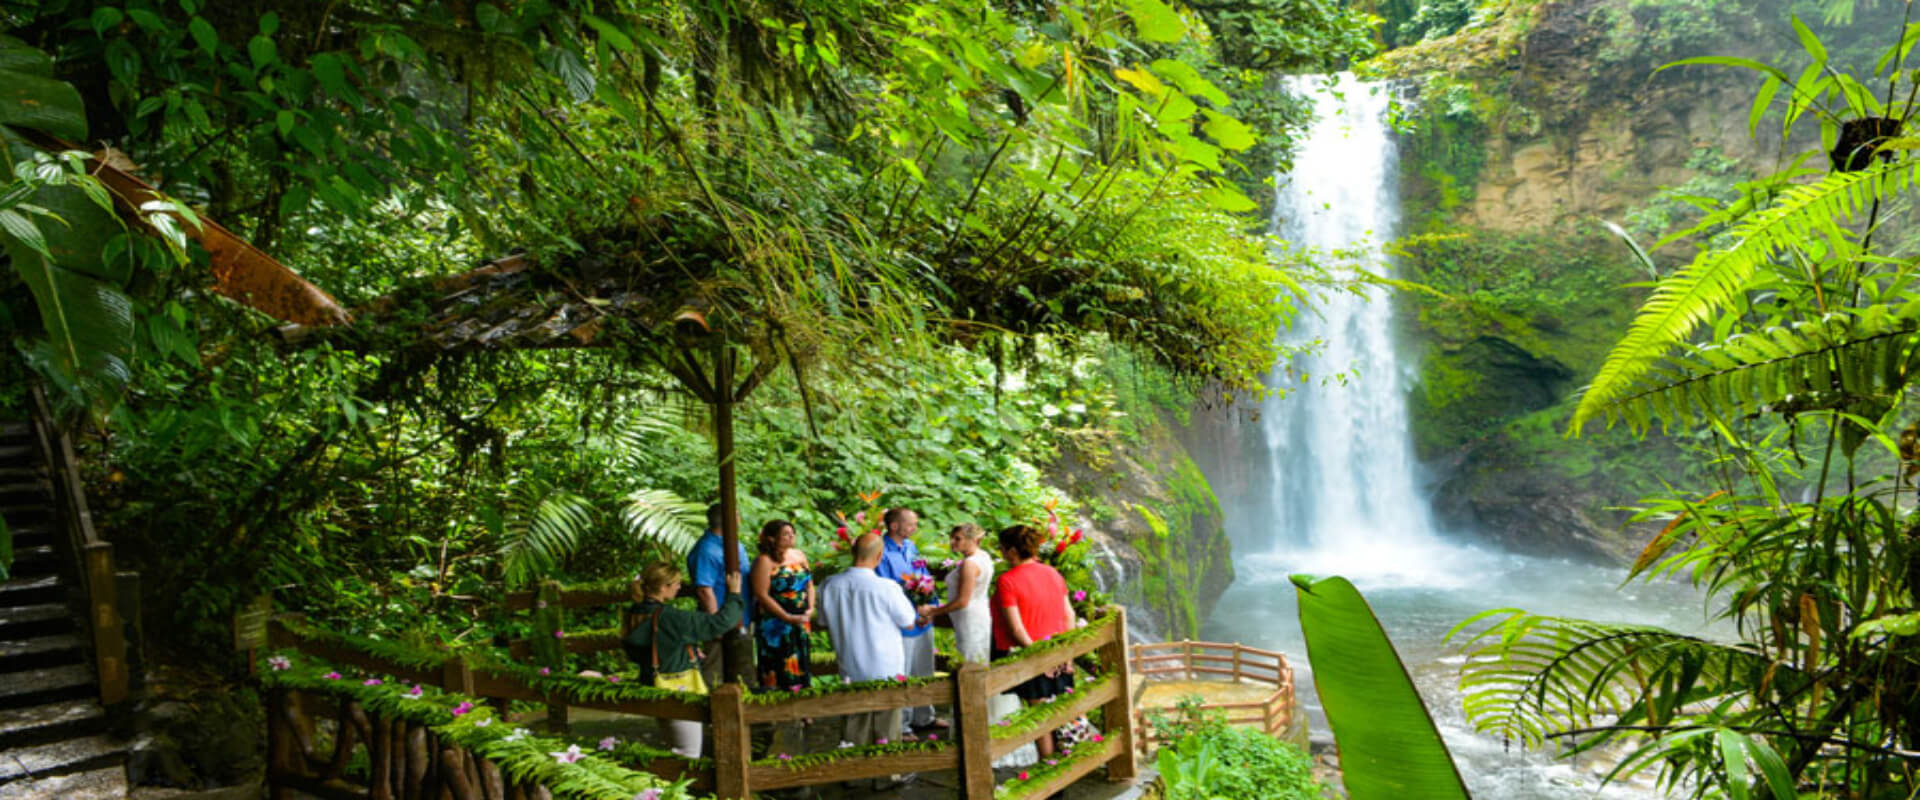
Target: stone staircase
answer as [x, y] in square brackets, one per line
[53, 732]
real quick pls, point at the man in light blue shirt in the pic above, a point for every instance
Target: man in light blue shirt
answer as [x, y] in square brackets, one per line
[707, 572]
[865, 614]
[900, 560]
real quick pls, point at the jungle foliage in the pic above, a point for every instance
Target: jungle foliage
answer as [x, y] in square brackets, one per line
[1790, 339]
[950, 225]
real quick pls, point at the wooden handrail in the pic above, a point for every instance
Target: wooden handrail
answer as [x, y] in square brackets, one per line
[1192, 659]
[95, 555]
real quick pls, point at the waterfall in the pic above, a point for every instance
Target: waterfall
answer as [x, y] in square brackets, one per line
[1343, 489]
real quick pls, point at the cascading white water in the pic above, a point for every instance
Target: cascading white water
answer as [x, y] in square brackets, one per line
[1332, 487]
[1342, 481]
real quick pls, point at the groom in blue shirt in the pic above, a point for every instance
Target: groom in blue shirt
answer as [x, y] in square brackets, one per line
[896, 563]
[707, 572]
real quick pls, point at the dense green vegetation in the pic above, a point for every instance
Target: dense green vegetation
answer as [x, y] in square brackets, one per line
[1203, 758]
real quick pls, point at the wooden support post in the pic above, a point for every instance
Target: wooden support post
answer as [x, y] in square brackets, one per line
[1236, 662]
[1118, 714]
[456, 676]
[109, 640]
[975, 729]
[1186, 649]
[549, 646]
[279, 746]
[732, 749]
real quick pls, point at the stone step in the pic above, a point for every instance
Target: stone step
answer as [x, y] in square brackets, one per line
[68, 719]
[32, 591]
[68, 757]
[99, 784]
[11, 473]
[34, 561]
[28, 492]
[31, 535]
[23, 514]
[42, 686]
[45, 619]
[17, 453]
[19, 655]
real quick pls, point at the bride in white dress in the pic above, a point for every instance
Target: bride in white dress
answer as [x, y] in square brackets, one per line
[972, 617]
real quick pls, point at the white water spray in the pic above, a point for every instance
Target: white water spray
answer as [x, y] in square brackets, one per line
[1344, 494]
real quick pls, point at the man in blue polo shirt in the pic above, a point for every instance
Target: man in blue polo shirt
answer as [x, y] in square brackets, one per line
[898, 562]
[707, 572]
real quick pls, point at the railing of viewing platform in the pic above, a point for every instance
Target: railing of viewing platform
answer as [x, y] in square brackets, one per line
[1205, 661]
[406, 760]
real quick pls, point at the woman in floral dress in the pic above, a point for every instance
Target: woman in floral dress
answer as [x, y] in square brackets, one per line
[783, 597]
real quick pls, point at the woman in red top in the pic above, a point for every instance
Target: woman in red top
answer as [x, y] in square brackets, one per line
[1030, 605]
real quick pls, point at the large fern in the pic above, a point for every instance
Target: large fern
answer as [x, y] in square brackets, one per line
[543, 525]
[658, 515]
[1693, 295]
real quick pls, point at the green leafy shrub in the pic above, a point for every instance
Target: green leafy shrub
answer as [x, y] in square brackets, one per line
[1206, 758]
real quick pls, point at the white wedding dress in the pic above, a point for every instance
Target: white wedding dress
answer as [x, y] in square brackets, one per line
[973, 633]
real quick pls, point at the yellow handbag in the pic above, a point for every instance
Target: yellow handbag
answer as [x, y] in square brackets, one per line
[686, 680]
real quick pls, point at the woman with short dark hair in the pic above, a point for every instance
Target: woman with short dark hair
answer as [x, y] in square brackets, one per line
[1030, 605]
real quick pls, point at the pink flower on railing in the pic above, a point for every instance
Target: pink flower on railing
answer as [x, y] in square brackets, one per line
[933, 737]
[613, 679]
[649, 794]
[1023, 775]
[333, 676]
[570, 755]
[414, 692]
[1099, 738]
[785, 757]
[899, 679]
[609, 743]
[465, 707]
[546, 671]
[1051, 762]
[279, 663]
[881, 741]
[1080, 595]
[559, 634]
[371, 682]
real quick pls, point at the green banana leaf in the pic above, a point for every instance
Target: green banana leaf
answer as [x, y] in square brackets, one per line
[30, 97]
[1389, 749]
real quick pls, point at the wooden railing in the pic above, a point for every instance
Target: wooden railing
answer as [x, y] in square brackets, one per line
[1238, 663]
[734, 773]
[99, 582]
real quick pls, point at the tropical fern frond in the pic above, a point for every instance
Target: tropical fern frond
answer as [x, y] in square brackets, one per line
[544, 524]
[1528, 676]
[1855, 361]
[1694, 294]
[658, 515]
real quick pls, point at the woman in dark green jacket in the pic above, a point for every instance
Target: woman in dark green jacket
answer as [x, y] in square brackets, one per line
[663, 640]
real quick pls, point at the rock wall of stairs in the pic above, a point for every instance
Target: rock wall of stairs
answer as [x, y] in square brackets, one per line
[54, 741]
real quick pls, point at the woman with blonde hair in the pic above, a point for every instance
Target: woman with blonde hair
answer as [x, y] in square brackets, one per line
[967, 606]
[665, 640]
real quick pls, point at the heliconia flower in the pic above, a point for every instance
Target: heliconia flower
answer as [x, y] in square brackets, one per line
[608, 743]
[841, 532]
[280, 663]
[1080, 596]
[371, 682]
[650, 794]
[569, 755]
[333, 676]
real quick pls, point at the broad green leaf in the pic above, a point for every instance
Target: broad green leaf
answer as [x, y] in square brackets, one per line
[1156, 21]
[1229, 132]
[1142, 80]
[572, 70]
[203, 34]
[1733, 756]
[263, 52]
[88, 321]
[18, 56]
[1228, 197]
[1389, 748]
[1190, 81]
[30, 100]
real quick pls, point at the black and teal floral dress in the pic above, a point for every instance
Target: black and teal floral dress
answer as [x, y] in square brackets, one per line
[784, 649]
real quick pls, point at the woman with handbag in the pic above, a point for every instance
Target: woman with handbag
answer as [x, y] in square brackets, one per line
[665, 640]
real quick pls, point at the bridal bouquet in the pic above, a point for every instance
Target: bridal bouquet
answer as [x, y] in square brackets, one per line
[920, 586]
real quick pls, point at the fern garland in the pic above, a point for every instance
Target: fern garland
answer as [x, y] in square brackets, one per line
[852, 753]
[1026, 721]
[401, 653]
[1034, 777]
[1690, 297]
[1068, 639]
[566, 769]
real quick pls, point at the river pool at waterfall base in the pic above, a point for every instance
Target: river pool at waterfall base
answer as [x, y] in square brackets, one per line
[1418, 607]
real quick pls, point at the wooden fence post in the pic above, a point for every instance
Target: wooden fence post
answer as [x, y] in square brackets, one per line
[1237, 653]
[279, 745]
[732, 748]
[976, 732]
[548, 646]
[1186, 649]
[456, 676]
[1118, 714]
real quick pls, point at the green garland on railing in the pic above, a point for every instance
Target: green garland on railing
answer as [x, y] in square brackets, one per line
[1068, 639]
[1027, 720]
[641, 754]
[406, 655]
[850, 753]
[612, 688]
[565, 768]
[825, 685]
[1094, 749]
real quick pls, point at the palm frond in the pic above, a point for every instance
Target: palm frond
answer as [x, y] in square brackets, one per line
[1856, 361]
[544, 524]
[1691, 296]
[1528, 676]
[658, 515]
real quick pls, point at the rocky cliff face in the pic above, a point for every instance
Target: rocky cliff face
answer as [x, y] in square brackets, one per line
[1535, 126]
[1158, 532]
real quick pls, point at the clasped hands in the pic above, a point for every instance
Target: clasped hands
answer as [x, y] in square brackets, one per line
[923, 615]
